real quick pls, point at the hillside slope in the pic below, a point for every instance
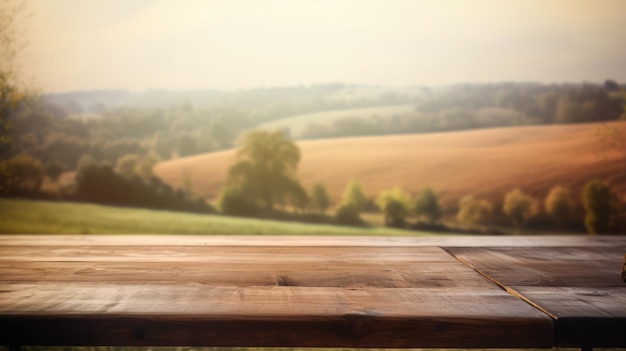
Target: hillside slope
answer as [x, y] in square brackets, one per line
[297, 124]
[486, 163]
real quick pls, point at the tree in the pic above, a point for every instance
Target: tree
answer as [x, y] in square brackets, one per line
[352, 203]
[233, 201]
[54, 170]
[473, 211]
[146, 165]
[519, 207]
[396, 205]
[599, 202]
[348, 214]
[354, 196]
[319, 198]
[12, 94]
[559, 204]
[266, 168]
[126, 165]
[427, 205]
[23, 175]
[85, 161]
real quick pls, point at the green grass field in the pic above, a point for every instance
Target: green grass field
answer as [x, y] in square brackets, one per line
[298, 123]
[42, 217]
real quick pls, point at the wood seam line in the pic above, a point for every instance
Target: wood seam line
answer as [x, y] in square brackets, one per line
[509, 290]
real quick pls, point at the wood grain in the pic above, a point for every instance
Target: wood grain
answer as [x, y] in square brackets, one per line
[194, 314]
[311, 241]
[580, 287]
[123, 290]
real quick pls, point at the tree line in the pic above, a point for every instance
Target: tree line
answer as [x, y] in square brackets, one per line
[486, 106]
[263, 182]
[264, 177]
[55, 130]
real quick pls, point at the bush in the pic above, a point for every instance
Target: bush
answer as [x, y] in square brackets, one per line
[396, 205]
[473, 211]
[99, 183]
[348, 215]
[21, 175]
[599, 202]
[427, 205]
[233, 201]
[519, 207]
[559, 204]
[354, 196]
[319, 198]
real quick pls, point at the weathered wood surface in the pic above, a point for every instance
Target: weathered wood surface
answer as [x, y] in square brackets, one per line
[257, 291]
[579, 287]
[311, 241]
[312, 291]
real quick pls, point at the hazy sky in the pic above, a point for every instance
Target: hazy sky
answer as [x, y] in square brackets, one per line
[142, 44]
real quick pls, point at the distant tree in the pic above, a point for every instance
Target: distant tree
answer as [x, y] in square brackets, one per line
[12, 93]
[146, 165]
[396, 205]
[354, 196]
[559, 205]
[54, 170]
[348, 214]
[599, 202]
[427, 205]
[319, 197]
[23, 175]
[233, 201]
[519, 207]
[126, 165]
[473, 211]
[85, 161]
[298, 198]
[266, 168]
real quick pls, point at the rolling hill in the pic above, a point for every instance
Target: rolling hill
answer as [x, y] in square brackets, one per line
[298, 124]
[486, 163]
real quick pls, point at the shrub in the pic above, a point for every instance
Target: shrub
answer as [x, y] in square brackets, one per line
[21, 175]
[427, 205]
[396, 205]
[348, 214]
[319, 198]
[354, 196]
[559, 204]
[233, 201]
[599, 202]
[473, 211]
[125, 165]
[519, 207]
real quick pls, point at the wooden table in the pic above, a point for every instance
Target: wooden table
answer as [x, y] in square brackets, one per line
[438, 291]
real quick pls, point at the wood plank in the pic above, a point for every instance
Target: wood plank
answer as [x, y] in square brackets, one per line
[321, 296]
[557, 266]
[311, 241]
[580, 287]
[214, 254]
[343, 275]
[194, 314]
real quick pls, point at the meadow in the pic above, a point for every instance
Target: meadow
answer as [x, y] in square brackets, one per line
[42, 217]
[485, 163]
[298, 124]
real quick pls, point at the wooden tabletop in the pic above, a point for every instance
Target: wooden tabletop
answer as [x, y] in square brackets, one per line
[438, 291]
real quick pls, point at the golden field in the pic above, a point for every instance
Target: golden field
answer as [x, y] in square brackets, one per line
[486, 163]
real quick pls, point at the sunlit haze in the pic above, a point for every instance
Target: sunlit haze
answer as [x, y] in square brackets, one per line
[141, 44]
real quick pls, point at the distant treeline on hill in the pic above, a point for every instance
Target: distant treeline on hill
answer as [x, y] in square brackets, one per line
[64, 127]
